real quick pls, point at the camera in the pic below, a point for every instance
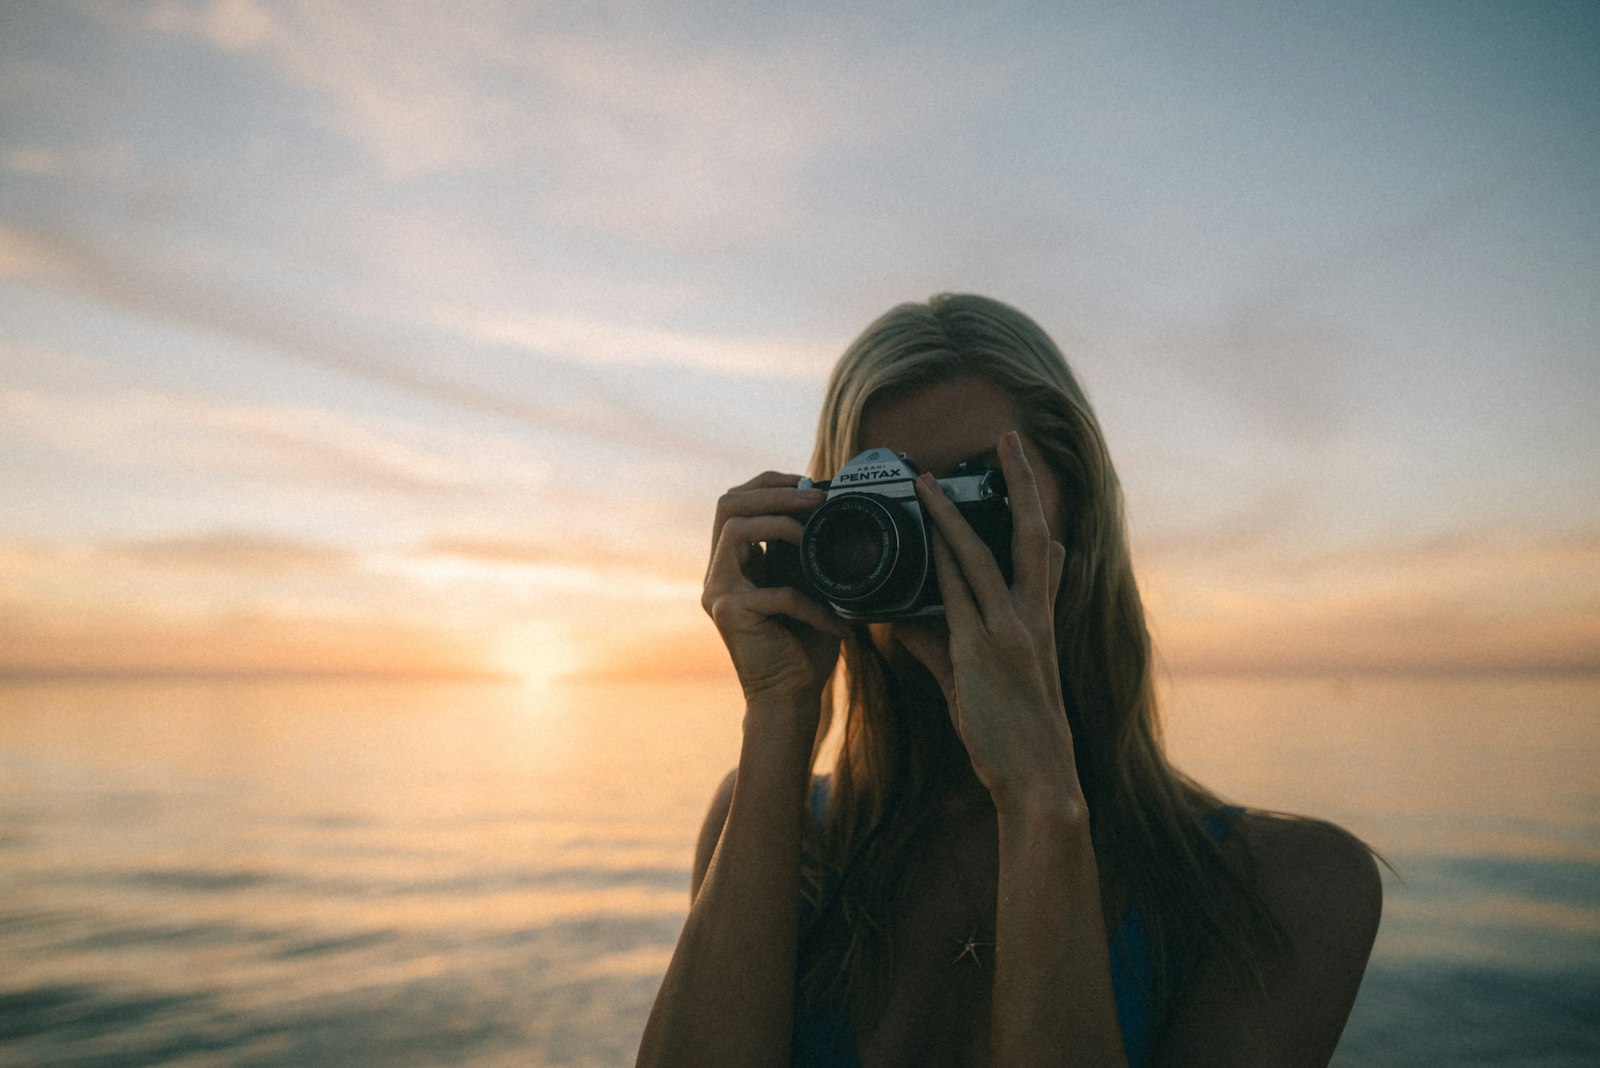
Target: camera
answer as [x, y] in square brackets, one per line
[867, 549]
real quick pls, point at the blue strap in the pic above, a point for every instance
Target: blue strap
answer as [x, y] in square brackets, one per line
[1133, 980]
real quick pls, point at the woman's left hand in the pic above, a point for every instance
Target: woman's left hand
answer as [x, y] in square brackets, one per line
[999, 669]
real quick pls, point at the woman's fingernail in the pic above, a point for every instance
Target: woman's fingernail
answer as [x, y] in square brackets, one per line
[926, 480]
[1014, 441]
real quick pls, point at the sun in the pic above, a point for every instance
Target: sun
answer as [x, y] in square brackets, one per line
[539, 655]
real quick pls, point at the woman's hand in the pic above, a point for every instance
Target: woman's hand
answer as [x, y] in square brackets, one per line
[729, 994]
[998, 668]
[783, 643]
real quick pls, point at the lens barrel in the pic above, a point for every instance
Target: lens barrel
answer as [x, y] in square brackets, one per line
[864, 550]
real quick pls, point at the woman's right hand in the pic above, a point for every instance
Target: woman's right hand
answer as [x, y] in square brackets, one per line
[783, 643]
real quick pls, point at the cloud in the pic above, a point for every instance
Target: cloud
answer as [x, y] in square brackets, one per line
[632, 122]
[233, 601]
[149, 287]
[584, 572]
[395, 79]
[1380, 640]
[660, 558]
[595, 342]
[694, 143]
[243, 642]
[1464, 603]
[173, 432]
[32, 161]
[230, 25]
[222, 603]
[115, 163]
[235, 551]
[1279, 360]
[1323, 270]
[26, 256]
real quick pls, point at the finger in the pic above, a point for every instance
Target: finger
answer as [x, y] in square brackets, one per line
[765, 480]
[972, 558]
[771, 500]
[769, 601]
[769, 493]
[1030, 533]
[766, 500]
[960, 608]
[736, 544]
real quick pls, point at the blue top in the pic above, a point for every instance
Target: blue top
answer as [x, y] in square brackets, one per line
[824, 1041]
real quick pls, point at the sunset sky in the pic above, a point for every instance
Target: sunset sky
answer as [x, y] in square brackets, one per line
[372, 337]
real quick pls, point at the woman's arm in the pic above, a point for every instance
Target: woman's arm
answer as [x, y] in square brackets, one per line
[1322, 885]
[1052, 1003]
[728, 995]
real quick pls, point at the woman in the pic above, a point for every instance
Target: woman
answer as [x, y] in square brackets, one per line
[1000, 867]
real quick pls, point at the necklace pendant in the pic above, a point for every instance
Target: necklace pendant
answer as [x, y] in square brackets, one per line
[969, 948]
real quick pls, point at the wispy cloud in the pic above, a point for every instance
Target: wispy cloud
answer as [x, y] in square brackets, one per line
[627, 125]
[596, 342]
[391, 78]
[1478, 602]
[182, 298]
[702, 145]
[174, 432]
[111, 163]
[221, 603]
[236, 552]
[230, 25]
[609, 612]
[572, 575]
[1320, 270]
[660, 559]
[242, 642]
[231, 601]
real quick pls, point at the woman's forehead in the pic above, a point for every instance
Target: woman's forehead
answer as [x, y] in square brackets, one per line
[942, 423]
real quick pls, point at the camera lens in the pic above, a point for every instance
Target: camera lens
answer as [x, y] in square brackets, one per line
[861, 549]
[852, 550]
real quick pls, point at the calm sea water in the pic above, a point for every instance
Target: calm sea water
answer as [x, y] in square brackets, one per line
[362, 874]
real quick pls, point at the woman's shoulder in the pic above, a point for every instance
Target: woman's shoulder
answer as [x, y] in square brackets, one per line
[1319, 882]
[1313, 870]
[1321, 885]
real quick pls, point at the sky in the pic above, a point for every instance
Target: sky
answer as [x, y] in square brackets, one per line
[421, 338]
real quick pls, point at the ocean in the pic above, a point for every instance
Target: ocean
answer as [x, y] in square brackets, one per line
[313, 873]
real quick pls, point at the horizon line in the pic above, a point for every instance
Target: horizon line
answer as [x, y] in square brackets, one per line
[250, 675]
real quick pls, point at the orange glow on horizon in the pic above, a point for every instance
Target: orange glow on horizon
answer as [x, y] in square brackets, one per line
[230, 604]
[238, 645]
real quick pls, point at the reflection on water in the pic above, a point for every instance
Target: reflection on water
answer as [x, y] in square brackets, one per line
[313, 874]
[298, 873]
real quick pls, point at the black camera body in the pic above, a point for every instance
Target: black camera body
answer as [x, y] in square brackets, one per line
[867, 549]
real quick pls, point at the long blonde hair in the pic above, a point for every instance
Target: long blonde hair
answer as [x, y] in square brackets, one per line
[1147, 818]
